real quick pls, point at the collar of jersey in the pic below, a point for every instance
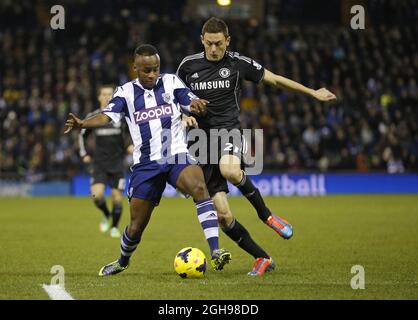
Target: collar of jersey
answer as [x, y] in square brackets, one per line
[219, 61]
[145, 89]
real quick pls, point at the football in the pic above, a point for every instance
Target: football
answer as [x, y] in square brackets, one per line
[190, 263]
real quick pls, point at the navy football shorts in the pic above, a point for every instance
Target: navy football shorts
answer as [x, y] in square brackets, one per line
[148, 180]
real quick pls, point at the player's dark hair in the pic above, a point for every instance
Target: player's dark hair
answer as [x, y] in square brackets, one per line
[215, 25]
[145, 50]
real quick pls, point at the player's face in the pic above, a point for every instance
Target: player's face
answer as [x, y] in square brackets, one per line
[148, 70]
[215, 45]
[104, 96]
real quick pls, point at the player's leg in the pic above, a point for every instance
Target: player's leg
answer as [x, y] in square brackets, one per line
[141, 211]
[146, 186]
[117, 199]
[218, 188]
[116, 181]
[97, 191]
[230, 168]
[237, 232]
[189, 179]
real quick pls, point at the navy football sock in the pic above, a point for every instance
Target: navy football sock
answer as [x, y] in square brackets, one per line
[208, 218]
[127, 248]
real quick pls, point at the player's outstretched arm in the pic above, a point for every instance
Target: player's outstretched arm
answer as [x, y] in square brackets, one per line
[73, 122]
[290, 85]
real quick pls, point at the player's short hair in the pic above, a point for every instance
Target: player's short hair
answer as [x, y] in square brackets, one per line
[215, 25]
[145, 50]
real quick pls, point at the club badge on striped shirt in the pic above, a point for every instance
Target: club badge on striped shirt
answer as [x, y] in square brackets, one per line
[166, 97]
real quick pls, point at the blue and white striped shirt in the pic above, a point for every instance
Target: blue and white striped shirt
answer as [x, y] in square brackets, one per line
[153, 116]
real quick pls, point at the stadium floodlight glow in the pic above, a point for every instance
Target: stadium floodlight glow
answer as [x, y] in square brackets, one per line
[224, 3]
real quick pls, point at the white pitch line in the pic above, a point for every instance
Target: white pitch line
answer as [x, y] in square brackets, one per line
[57, 292]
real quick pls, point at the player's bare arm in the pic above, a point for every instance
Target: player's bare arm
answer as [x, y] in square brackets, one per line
[73, 122]
[290, 85]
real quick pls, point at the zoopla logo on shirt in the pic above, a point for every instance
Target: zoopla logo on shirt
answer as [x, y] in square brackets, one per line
[153, 113]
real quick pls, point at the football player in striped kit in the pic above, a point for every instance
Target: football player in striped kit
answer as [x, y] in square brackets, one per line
[152, 106]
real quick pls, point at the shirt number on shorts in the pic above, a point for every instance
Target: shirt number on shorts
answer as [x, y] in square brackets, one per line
[229, 146]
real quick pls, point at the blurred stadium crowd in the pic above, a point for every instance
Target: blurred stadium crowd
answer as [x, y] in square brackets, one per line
[44, 74]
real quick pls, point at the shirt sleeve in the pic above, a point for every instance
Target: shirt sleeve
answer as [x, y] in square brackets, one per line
[183, 94]
[181, 72]
[115, 110]
[250, 69]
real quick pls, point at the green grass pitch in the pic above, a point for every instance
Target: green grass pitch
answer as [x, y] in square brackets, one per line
[332, 234]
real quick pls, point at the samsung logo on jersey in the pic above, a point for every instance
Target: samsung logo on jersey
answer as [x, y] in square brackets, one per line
[208, 85]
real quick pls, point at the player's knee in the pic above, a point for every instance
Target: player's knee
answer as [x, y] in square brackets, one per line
[200, 191]
[117, 198]
[232, 175]
[97, 197]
